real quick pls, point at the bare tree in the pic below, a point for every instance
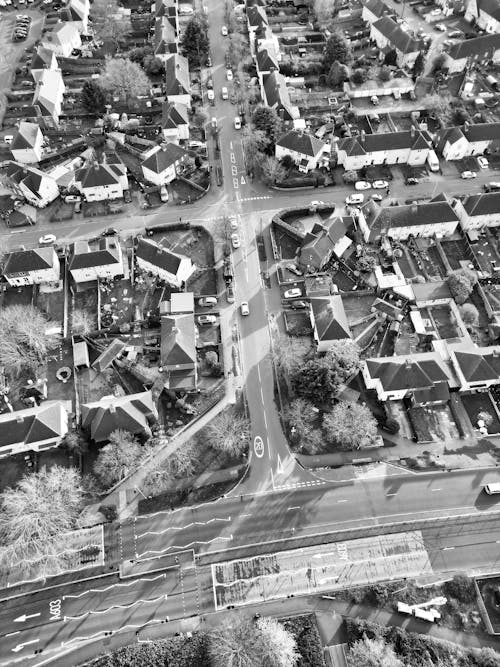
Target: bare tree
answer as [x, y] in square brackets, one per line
[109, 21]
[323, 10]
[372, 653]
[289, 353]
[350, 425]
[272, 170]
[229, 433]
[124, 77]
[118, 458]
[83, 322]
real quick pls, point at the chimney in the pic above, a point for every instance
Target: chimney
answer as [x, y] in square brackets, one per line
[362, 136]
[112, 409]
[19, 418]
[412, 132]
[408, 365]
[414, 208]
[176, 331]
[466, 126]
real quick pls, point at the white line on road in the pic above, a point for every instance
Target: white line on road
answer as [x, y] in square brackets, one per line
[436, 489]
[297, 507]
[114, 606]
[391, 494]
[103, 590]
[447, 548]
[188, 525]
[20, 647]
[245, 515]
[343, 501]
[185, 546]
[11, 634]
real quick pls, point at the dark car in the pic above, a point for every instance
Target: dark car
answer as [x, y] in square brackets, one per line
[298, 304]
[110, 231]
[127, 196]
[412, 181]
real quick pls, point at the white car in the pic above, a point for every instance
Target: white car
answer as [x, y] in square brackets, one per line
[355, 199]
[468, 174]
[233, 222]
[440, 26]
[483, 162]
[235, 240]
[229, 74]
[223, 31]
[210, 95]
[245, 310]
[48, 239]
[374, 100]
[237, 123]
[224, 93]
[207, 319]
[207, 301]
[436, 12]
[380, 185]
[362, 185]
[293, 268]
[293, 293]
[317, 202]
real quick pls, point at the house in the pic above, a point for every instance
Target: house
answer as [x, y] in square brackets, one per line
[31, 267]
[478, 211]
[165, 36]
[373, 10]
[275, 94]
[389, 35]
[63, 38]
[43, 59]
[424, 378]
[455, 143]
[256, 20]
[266, 61]
[407, 147]
[463, 54]
[178, 351]
[77, 11]
[266, 39]
[306, 151]
[452, 143]
[329, 321]
[49, 94]
[435, 217]
[135, 413]
[325, 239]
[485, 14]
[476, 367]
[175, 122]
[177, 82]
[162, 164]
[99, 182]
[26, 147]
[33, 429]
[34, 185]
[169, 266]
[104, 260]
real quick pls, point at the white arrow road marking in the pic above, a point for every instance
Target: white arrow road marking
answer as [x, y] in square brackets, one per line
[20, 647]
[280, 469]
[243, 180]
[24, 617]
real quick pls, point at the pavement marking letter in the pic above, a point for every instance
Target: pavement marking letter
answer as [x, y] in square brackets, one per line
[55, 610]
[258, 447]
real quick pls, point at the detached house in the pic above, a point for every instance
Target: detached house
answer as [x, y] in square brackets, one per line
[77, 11]
[329, 321]
[89, 264]
[162, 164]
[26, 147]
[306, 151]
[373, 10]
[389, 35]
[455, 143]
[169, 266]
[33, 429]
[485, 14]
[48, 95]
[32, 267]
[476, 367]
[135, 413]
[275, 95]
[177, 83]
[98, 182]
[178, 350]
[175, 122]
[477, 50]
[34, 185]
[63, 39]
[407, 147]
[325, 239]
[478, 211]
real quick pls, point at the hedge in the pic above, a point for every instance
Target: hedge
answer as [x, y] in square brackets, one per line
[305, 632]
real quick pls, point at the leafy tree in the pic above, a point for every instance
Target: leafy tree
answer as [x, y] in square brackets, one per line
[337, 75]
[344, 357]
[384, 73]
[153, 66]
[194, 42]
[35, 515]
[200, 117]
[461, 588]
[272, 170]
[351, 425]
[92, 97]
[301, 415]
[372, 653]
[139, 53]
[350, 176]
[24, 343]
[265, 119]
[124, 77]
[323, 10]
[487, 657]
[287, 161]
[75, 441]
[254, 144]
[418, 65]
[289, 354]
[391, 58]
[470, 314]
[229, 433]
[109, 22]
[359, 76]
[264, 643]
[336, 49]
[461, 283]
[118, 458]
[238, 48]
[439, 61]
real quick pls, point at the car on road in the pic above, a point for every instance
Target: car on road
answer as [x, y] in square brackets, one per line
[229, 74]
[109, 231]
[376, 197]
[71, 199]
[298, 304]
[411, 180]
[380, 185]
[233, 222]
[440, 27]
[245, 310]
[355, 199]
[235, 240]
[294, 269]
[224, 93]
[293, 293]
[456, 34]
[374, 100]
[362, 185]
[435, 12]
[237, 123]
[210, 84]
[230, 293]
[208, 62]
[207, 301]
[491, 489]
[483, 162]
[206, 319]
[223, 31]
[468, 174]
[491, 187]
[211, 95]
[48, 239]
[316, 202]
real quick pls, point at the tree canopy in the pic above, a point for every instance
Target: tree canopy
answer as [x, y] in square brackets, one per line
[461, 283]
[229, 433]
[124, 77]
[338, 49]
[372, 653]
[301, 416]
[109, 21]
[323, 10]
[418, 65]
[266, 120]
[194, 42]
[337, 74]
[92, 97]
[350, 425]
[272, 171]
[118, 458]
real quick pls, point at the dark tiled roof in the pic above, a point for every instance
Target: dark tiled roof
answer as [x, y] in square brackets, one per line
[276, 93]
[96, 175]
[330, 318]
[155, 254]
[25, 137]
[177, 75]
[479, 367]
[476, 47]
[178, 342]
[319, 244]
[397, 37]
[24, 261]
[257, 17]
[265, 61]
[482, 204]
[490, 7]
[301, 142]
[174, 114]
[108, 252]
[377, 7]
[164, 157]
[406, 374]
[483, 131]
[44, 422]
[131, 413]
[373, 143]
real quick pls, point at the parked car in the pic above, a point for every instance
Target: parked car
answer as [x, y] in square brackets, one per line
[411, 180]
[235, 240]
[491, 187]
[230, 294]
[294, 269]
[245, 310]
[127, 197]
[207, 301]
[223, 31]
[440, 27]
[355, 199]
[210, 95]
[316, 202]
[376, 197]
[483, 162]
[233, 222]
[210, 84]
[362, 185]
[78, 207]
[468, 174]
[456, 34]
[48, 239]
[293, 293]
[237, 123]
[298, 304]
[109, 231]
[208, 62]
[206, 319]
[374, 100]
[229, 74]
[224, 93]
[71, 199]
[380, 185]
[435, 12]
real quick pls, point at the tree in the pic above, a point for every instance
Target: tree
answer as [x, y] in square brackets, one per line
[272, 171]
[109, 22]
[92, 97]
[139, 53]
[238, 48]
[118, 458]
[288, 354]
[372, 653]
[245, 643]
[36, 514]
[391, 58]
[24, 343]
[266, 120]
[83, 322]
[300, 416]
[254, 144]
[487, 657]
[350, 425]
[418, 65]
[462, 588]
[323, 10]
[384, 73]
[153, 66]
[350, 176]
[124, 77]
[75, 442]
[337, 75]
[336, 49]
[229, 433]
[470, 314]
[343, 355]
[359, 76]
[194, 42]
[438, 106]
[461, 283]
[439, 61]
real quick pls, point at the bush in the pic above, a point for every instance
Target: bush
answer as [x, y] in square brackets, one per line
[391, 426]
[305, 633]
[461, 588]
[109, 512]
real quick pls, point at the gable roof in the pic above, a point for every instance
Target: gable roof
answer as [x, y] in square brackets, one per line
[29, 176]
[83, 257]
[277, 95]
[329, 318]
[301, 142]
[61, 33]
[373, 143]
[398, 373]
[164, 157]
[178, 344]
[476, 47]
[49, 90]
[25, 261]
[130, 413]
[257, 17]
[47, 421]
[96, 175]
[486, 203]
[396, 36]
[482, 131]
[26, 136]
[173, 115]
[319, 244]
[377, 7]
[266, 61]
[177, 75]
[44, 58]
[157, 255]
[490, 7]
[479, 365]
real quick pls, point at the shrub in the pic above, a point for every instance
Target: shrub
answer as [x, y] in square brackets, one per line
[461, 588]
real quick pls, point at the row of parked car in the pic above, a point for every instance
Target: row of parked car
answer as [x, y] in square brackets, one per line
[22, 27]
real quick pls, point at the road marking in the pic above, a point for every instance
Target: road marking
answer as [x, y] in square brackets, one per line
[114, 606]
[24, 617]
[297, 507]
[391, 494]
[188, 525]
[103, 590]
[343, 501]
[243, 180]
[280, 470]
[231, 145]
[447, 548]
[20, 647]
[235, 183]
[241, 515]
[436, 489]
[258, 447]
[265, 419]
[11, 634]
[233, 157]
[178, 547]
[234, 170]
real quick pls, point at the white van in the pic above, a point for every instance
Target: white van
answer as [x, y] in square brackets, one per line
[432, 161]
[491, 489]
